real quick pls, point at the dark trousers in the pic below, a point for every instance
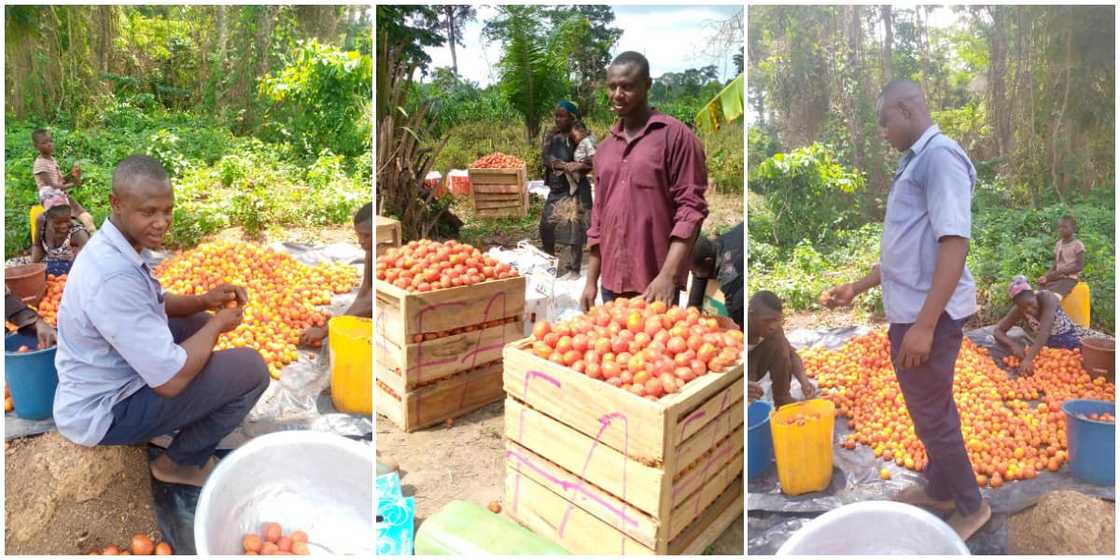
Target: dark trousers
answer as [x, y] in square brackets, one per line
[928, 391]
[1062, 286]
[573, 235]
[772, 355]
[213, 405]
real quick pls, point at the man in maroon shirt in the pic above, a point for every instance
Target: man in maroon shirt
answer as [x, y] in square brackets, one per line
[650, 178]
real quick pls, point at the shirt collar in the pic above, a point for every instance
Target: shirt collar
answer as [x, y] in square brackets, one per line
[924, 139]
[655, 117]
[117, 240]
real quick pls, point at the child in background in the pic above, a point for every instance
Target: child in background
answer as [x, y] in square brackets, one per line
[1042, 311]
[768, 351]
[51, 182]
[585, 151]
[1069, 260]
[60, 237]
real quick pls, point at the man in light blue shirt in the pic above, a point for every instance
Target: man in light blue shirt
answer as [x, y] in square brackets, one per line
[135, 362]
[928, 294]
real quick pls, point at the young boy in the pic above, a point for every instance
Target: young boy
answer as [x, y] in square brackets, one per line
[1069, 260]
[59, 239]
[51, 182]
[363, 302]
[719, 259]
[769, 351]
[585, 151]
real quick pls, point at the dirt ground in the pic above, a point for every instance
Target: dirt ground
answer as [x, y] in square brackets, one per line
[64, 499]
[464, 462]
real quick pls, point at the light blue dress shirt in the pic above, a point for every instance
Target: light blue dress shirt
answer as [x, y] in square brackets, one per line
[113, 336]
[931, 198]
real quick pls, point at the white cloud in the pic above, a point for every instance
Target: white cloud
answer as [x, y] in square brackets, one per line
[673, 38]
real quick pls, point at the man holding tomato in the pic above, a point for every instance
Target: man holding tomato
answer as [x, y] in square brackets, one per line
[134, 362]
[928, 294]
[650, 177]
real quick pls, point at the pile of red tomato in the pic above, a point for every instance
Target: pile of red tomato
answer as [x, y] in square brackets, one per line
[426, 265]
[497, 160]
[648, 349]
[1006, 437]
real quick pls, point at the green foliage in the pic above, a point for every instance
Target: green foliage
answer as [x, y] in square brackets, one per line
[320, 100]
[532, 72]
[761, 145]
[810, 194]
[220, 179]
[723, 151]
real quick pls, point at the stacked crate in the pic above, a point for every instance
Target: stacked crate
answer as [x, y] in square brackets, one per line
[388, 234]
[600, 470]
[439, 353]
[500, 193]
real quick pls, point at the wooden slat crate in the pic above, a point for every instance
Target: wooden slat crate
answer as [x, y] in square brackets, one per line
[388, 234]
[420, 359]
[500, 193]
[401, 315]
[450, 397]
[602, 471]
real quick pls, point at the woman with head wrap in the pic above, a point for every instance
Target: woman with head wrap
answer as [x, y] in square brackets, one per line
[567, 152]
[1042, 312]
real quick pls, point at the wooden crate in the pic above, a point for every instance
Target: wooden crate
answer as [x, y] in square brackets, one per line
[595, 461]
[448, 398]
[388, 234]
[401, 315]
[500, 193]
[404, 368]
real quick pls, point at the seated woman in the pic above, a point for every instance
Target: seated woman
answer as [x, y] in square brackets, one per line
[59, 239]
[1043, 313]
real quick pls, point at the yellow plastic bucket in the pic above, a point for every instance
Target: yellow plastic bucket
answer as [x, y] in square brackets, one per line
[1076, 304]
[35, 211]
[351, 352]
[803, 445]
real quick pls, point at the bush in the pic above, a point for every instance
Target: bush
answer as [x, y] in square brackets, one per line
[220, 179]
[810, 194]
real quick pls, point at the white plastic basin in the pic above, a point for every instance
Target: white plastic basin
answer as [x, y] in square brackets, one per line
[875, 528]
[317, 482]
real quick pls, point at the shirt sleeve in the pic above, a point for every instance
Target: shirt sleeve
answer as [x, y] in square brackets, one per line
[120, 311]
[948, 191]
[688, 178]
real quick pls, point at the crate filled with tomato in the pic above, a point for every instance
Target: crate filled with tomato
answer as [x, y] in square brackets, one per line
[499, 186]
[624, 429]
[444, 311]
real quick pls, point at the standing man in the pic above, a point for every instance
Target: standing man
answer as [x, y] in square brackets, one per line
[650, 178]
[928, 293]
[135, 362]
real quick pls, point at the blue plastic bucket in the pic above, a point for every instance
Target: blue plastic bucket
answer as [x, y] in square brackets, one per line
[31, 376]
[760, 443]
[1092, 444]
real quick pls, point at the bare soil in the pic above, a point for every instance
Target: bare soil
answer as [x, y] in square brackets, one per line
[61, 498]
[464, 462]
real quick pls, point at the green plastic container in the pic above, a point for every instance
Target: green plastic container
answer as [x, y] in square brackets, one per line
[465, 529]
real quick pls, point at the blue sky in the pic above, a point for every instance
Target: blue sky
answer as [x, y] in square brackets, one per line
[673, 38]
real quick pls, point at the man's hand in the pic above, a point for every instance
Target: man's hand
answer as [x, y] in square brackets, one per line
[915, 347]
[840, 296]
[224, 294]
[312, 336]
[228, 318]
[726, 323]
[1027, 367]
[662, 289]
[754, 391]
[46, 334]
[587, 298]
[807, 388]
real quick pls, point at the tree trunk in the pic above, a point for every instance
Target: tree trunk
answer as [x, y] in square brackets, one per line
[888, 39]
[451, 38]
[922, 14]
[851, 98]
[997, 98]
